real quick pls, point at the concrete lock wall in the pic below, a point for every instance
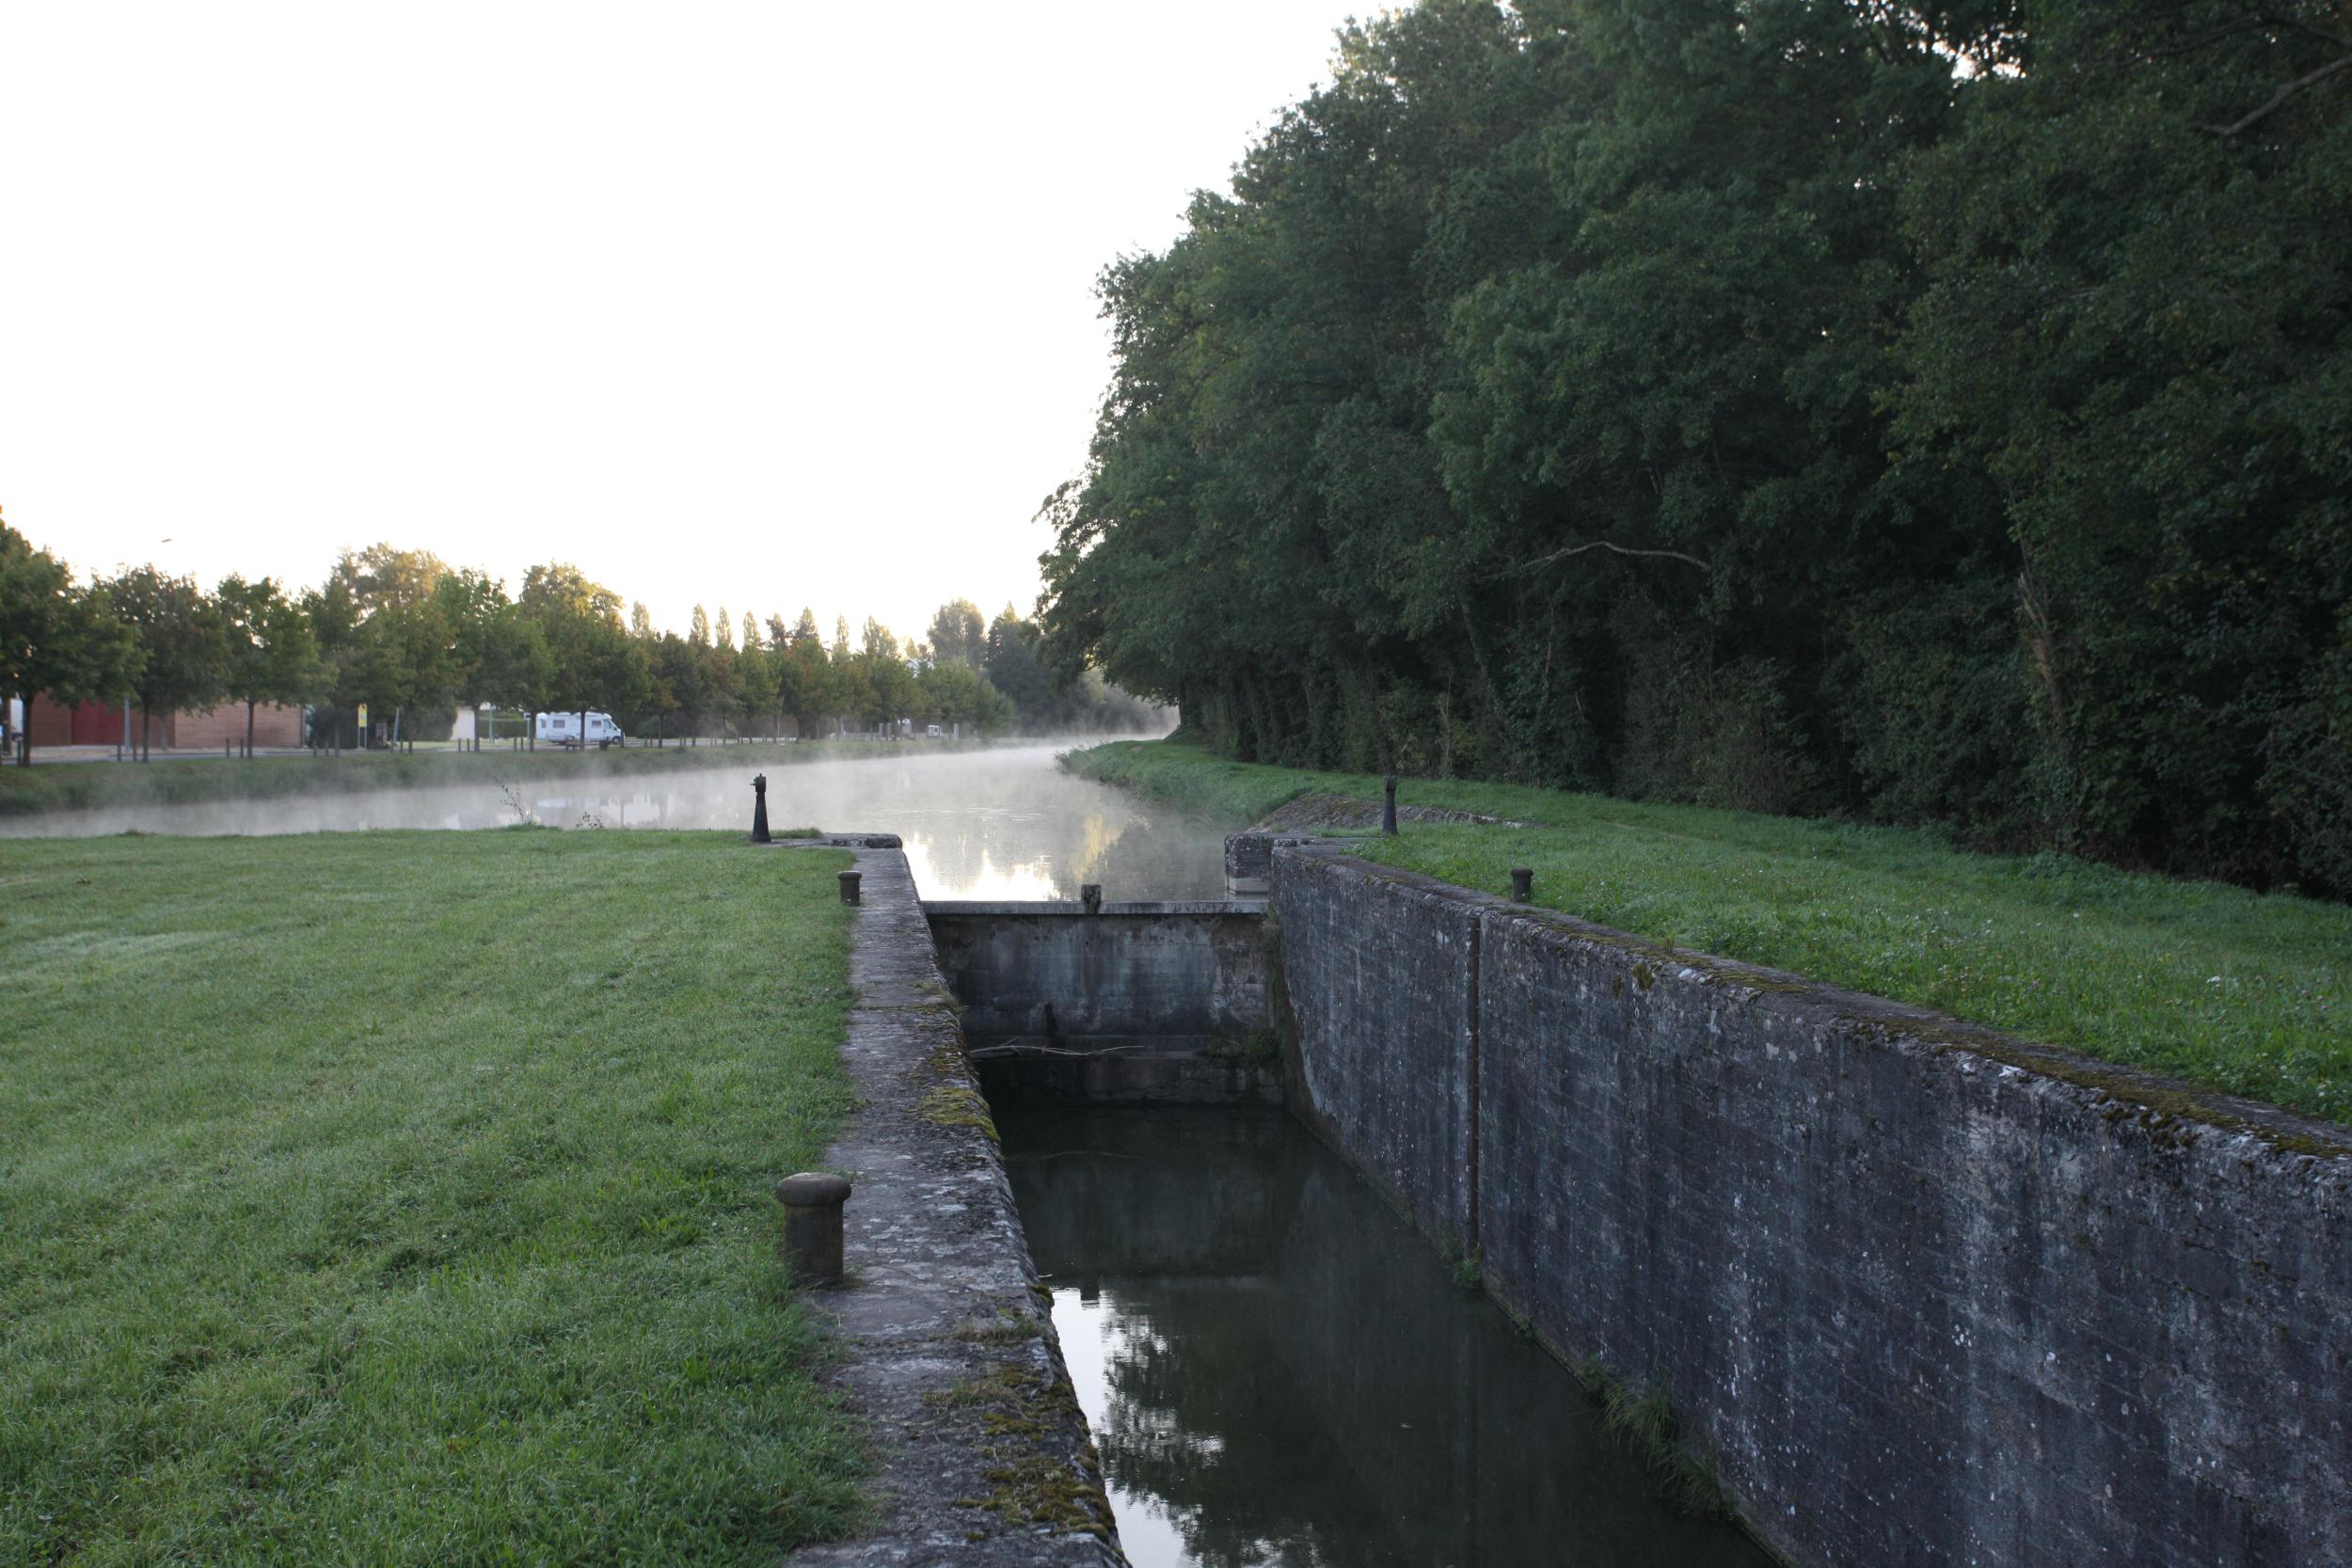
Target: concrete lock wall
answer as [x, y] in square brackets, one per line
[1161, 1002]
[1925, 1293]
[1046, 969]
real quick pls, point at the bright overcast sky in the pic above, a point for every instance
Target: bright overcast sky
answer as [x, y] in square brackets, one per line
[760, 303]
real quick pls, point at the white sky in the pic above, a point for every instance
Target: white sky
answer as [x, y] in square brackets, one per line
[760, 303]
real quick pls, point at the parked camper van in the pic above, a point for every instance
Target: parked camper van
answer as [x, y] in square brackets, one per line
[563, 729]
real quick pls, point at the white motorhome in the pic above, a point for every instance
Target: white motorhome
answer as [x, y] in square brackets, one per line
[564, 729]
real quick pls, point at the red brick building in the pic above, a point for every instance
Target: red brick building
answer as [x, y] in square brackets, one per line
[100, 724]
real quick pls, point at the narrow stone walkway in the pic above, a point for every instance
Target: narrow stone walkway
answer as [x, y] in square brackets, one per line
[945, 1342]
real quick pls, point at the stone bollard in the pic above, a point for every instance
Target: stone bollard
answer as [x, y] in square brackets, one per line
[1388, 812]
[1090, 894]
[812, 1226]
[848, 887]
[1522, 883]
[759, 809]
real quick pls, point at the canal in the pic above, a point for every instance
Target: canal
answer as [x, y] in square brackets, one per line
[999, 822]
[1280, 1374]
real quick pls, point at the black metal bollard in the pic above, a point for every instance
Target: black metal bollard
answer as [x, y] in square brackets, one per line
[848, 887]
[1090, 894]
[1388, 812]
[1522, 883]
[759, 809]
[812, 1226]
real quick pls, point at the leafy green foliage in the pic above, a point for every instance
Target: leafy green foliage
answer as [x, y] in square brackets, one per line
[58, 636]
[1932, 413]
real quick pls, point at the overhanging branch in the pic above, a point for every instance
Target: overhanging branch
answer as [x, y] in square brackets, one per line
[1613, 548]
[2309, 79]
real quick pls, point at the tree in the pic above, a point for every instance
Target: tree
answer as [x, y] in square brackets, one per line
[332, 609]
[273, 653]
[57, 638]
[682, 669]
[513, 667]
[2132, 330]
[1012, 664]
[183, 643]
[384, 574]
[755, 681]
[804, 687]
[949, 692]
[959, 634]
[597, 666]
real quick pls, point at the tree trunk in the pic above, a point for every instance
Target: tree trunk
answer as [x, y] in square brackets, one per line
[1368, 691]
[249, 729]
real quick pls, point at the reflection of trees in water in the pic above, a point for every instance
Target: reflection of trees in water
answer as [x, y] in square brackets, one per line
[1292, 1375]
[1162, 855]
[1197, 1420]
[1132, 857]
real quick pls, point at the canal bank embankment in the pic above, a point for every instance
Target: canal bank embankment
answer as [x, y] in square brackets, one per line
[2236, 992]
[944, 1344]
[1919, 1292]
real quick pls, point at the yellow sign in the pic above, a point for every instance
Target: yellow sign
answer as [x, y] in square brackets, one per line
[363, 715]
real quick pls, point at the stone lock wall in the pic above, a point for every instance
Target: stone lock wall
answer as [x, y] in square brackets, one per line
[1055, 969]
[1147, 1003]
[1925, 1294]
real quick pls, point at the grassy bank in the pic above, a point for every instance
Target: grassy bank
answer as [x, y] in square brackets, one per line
[403, 1198]
[48, 786]
[2225, 988]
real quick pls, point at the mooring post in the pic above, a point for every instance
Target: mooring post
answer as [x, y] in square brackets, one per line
[812, 1226]
[848, 887]
[1522, 883]
[1090, 894]
[759, 809]
[1388, 812]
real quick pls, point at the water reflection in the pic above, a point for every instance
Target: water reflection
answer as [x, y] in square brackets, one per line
[1279, 1373]
[1004, 822]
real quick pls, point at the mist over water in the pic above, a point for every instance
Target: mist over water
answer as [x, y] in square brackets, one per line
[1004, 822]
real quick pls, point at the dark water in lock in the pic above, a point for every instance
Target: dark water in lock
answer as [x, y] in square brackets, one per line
[1280, 1374]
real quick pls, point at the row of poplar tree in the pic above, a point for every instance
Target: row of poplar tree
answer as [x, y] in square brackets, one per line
[1934, 412]
[414, 638]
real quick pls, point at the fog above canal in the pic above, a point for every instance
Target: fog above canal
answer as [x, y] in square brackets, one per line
[998, 822]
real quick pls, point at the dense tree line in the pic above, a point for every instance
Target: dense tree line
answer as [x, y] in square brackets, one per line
[412, 640]
[1935, 413]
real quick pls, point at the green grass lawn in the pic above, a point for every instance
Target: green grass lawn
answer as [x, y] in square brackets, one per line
[47, 786]
[2235, 990]
[403, 1198]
